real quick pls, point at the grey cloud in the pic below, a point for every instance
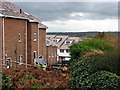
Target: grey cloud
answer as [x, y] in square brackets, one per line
[48, 11]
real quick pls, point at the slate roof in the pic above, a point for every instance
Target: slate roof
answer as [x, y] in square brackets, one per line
[61, 44]
[42, 26]
[9, 9]
[63, 38]
[73, 39]
[50, 43]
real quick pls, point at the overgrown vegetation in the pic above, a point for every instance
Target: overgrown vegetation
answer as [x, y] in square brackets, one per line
[78, 49]
[33, 78]
[94, 66]
[6, 82]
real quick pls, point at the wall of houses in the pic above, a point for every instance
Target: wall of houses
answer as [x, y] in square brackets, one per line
[42, 42]
[15, 30]
[32, 41]
[51, 54]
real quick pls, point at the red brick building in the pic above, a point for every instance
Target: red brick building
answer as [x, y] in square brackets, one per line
[20, 36]
[51, 52]
[42, 40]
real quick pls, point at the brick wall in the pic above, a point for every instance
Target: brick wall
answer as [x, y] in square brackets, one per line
[42, 42]
[51, 54]
[14, 48]
[31, 44]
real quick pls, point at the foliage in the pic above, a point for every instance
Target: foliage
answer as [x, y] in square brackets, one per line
[78, 49]
[98, 72]
[93, 73]
[101, 80]
[6, 82]
[36, 78]
[25, 78]
[35, 86]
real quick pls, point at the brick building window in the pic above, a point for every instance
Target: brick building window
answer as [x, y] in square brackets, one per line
[20, 59]
[35, 54]
[20, 37]
[9, 62]
[34, 37]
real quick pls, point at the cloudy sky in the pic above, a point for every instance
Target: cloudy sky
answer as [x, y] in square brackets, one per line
[69, 16]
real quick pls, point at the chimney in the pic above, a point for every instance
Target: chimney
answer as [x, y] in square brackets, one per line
[20, 10]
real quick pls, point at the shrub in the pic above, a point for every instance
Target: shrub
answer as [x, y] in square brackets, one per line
[35, 86]
[101, 80]
[6, 82]
[96, 72]
[25, 78]
[78, 49]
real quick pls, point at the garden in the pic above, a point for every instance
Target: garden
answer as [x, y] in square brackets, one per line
[33, 78]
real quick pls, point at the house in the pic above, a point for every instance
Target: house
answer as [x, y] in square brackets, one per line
[42, 40]
[51, 52]
[63, 42]
[64, 54]
[21, 36]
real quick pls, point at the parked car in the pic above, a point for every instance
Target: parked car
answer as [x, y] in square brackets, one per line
[41, 62]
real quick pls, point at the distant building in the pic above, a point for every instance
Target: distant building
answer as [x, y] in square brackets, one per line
[51, 52]
[63, 42]
[22, 36]
[64, 53]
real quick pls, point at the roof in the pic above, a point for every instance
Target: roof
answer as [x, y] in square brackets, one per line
[50, 43]
[42, 26]
[50, 36]
[53, 37]
[9, 9]
[63, 38]
[72, 39]
[61, 44]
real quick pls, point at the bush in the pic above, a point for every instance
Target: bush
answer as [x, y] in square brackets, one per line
[101, 80]
[78, 49]
[6, 82]
[35, 86]
[94, 72]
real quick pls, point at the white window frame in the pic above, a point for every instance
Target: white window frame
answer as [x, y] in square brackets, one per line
[35, 54]
[9, 62]
[20, 37]
[34, 36]
[20, 60]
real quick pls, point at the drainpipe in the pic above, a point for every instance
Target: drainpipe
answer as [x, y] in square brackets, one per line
[26, 43]
[3, 42]
[38, 40]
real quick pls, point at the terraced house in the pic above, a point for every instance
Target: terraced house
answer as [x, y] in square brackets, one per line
[22, 36]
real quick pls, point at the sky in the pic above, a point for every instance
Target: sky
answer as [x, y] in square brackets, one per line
[73, 15]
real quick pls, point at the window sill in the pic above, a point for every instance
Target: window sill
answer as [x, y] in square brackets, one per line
[19, 41]
[35, 40]
[20, 63]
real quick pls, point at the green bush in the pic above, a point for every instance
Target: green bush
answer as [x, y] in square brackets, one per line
[7, 83]
[78, 49]
[96, 72]
[25, 78]
[35, 86]
[93, 74]
[101, 80]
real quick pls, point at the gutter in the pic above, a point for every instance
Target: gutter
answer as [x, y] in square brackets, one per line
[26, 44]
[38, 43]
[3, 42]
